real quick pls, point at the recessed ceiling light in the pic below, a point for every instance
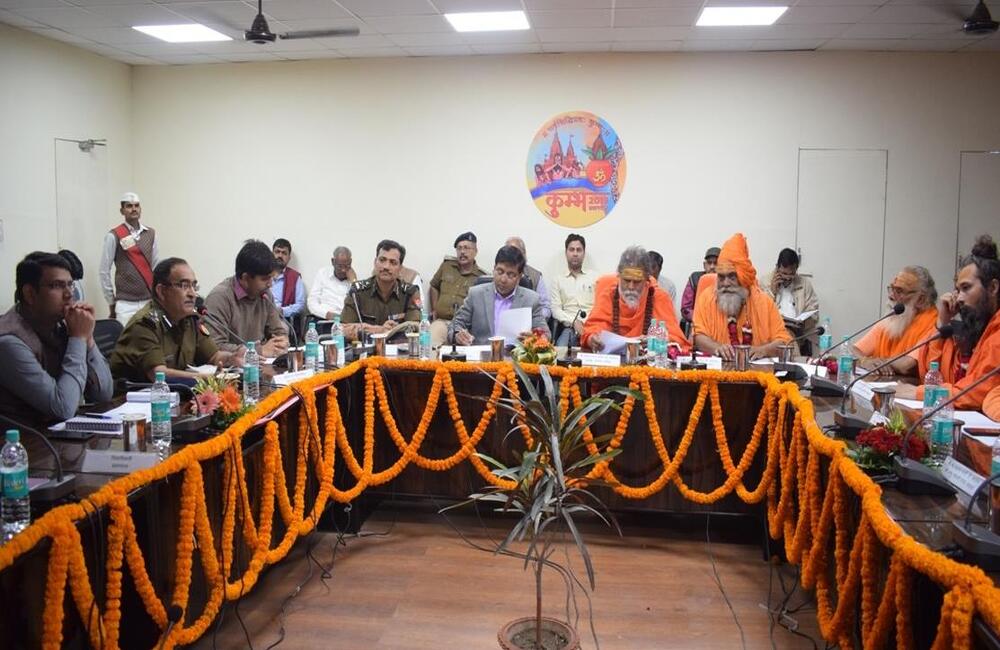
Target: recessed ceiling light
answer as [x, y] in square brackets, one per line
[193, 33]
[739, 16]
[488, 21]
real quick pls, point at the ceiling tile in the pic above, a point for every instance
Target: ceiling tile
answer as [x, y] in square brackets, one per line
[894, 30]
[369, 52]
[410, 24]
[137, 15]
[581, 35]
[984, 45]
[576, 47]
[864, 44]
[97, 3]
[781, 45]
[161, 49]
[228, 12]
[188, 59]
[656, 17]
[869, 3]
[364, 40]
[31, 4]
[115, 35]
[313, 54]
[715, 45]
[426, 40]
[507, 48]
[297, 25]
[650, 33]
[68, 18]
[920, 14]
[11, 18]
[768, 32]
[657, 4]
[550, 5]
[300, 45]
[646, 46]
[366, 8]
[490, 38]
[561, 19]
[825, 14]
[250, 57]
[458, 6]
[298, 9]
[439, 50]
[59, 35]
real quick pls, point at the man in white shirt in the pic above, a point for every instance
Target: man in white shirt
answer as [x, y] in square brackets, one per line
[572, 291]
[131, 247]
[326, 297]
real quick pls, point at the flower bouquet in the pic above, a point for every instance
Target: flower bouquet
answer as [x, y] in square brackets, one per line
[535, 348]
[874, 447]
[220, 398]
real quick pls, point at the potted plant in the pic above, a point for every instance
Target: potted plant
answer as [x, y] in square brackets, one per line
[548, 493]
[874, 447]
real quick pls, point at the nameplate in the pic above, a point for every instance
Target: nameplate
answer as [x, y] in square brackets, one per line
[106, 461]
[287, 378]
[864, 393]
[961, 476]
[878, 418]
[591, 359]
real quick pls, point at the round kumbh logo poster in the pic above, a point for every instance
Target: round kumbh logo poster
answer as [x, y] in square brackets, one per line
[576, 169]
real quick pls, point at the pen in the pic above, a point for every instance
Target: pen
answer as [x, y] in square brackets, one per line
[99, 416]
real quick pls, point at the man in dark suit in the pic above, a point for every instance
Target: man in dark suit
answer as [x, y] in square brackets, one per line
[476, 320]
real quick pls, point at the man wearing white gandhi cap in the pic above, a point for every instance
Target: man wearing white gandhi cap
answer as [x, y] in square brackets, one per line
[131, 247]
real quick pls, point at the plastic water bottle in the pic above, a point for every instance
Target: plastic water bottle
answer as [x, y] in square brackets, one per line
[312, 347]
[425, 337]
[15, 506]
[337, 335]
[653, 342]
[995, 466]
[939, 425]
[826, 338]
[663, 355]
[159, 406]
[251, 375]
[845, 364]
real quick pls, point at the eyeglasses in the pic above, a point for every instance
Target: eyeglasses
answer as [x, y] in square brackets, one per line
[899, 291]
[185, 285]
[59, 285]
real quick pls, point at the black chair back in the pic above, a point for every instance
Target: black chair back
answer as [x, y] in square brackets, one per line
[106, 333]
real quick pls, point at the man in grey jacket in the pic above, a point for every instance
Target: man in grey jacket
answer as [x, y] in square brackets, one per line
[476, 320]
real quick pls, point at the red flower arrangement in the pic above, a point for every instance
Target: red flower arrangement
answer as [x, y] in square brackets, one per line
[874, 447]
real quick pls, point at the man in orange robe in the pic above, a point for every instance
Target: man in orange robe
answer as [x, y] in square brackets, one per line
[734, 310]
[914, 287]
[991, 404]
[975, 349]
[625, 303]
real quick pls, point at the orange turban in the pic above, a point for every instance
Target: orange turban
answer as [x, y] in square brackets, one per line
[735, 256]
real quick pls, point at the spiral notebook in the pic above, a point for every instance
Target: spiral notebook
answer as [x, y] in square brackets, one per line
[92, 424]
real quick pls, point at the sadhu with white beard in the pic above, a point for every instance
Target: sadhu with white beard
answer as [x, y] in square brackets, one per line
[914, 288]
[625, 303]
[731, 309]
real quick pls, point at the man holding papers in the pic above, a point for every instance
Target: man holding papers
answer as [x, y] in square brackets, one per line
[626, 303]
[484, 312]
[165, 335]
[795, 297]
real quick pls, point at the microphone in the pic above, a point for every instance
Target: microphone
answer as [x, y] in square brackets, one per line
[174, 615]
[58, 487]
[828, 388]
[792, 371]
[819, 331]
[914, 476]
[199, 306]
[570, 360]
[572, 327]
[847, 422]
[979, 544]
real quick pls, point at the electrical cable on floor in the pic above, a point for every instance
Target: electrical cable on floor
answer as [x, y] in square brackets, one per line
[718, 580]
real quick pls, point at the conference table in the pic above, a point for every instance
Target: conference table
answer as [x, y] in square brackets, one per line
[155, 506]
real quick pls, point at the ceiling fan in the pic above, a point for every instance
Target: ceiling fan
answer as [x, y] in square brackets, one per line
[261, 33]
[980, 22]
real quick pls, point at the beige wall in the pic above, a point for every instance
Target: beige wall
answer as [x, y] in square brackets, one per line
[347, 152]
[52, 90]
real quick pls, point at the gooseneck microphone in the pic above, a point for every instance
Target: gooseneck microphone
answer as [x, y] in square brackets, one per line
[848, 422]
[819, 331]
[572, 327]
[199, 306]
[821, 386]
[914, 476]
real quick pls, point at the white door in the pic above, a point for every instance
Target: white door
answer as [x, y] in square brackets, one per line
[840, 232]
[978, 199]
[82, 213]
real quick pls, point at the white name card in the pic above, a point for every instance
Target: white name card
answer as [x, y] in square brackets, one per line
[878, 418]
[961, 476]
[287, 378]
[106, 461]
[864, 393]
[606, 360]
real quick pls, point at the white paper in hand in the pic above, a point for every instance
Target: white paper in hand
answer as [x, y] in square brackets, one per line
[613, 343]
[512, 322]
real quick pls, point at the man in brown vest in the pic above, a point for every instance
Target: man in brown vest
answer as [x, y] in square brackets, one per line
[47, 348]
[131, 247]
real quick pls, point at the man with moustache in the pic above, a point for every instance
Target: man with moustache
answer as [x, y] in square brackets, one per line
[475, 321]
[793, 293]
[974, 350]
[691, 287]
[572, 291]
[450, 285]
[326, 297]
[731, 309]
[914, 287]
[379, 303]
[626, 303]
[131, 248]
[535, 278]
[47, 348]
[287, 288]
[165, 335]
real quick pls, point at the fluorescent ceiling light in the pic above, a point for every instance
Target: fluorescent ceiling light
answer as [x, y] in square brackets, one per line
[488, 21]
[193, 33]
[739, 16]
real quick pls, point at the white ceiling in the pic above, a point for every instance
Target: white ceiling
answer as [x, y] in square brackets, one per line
[417, 27]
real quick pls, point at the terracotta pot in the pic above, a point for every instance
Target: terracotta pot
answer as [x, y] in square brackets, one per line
[510, 630]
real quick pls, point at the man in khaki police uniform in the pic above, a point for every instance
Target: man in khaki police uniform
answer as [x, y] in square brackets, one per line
[450, 285]
[383, 300]
[165, 335]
